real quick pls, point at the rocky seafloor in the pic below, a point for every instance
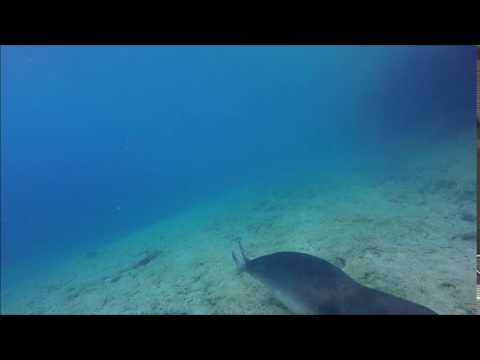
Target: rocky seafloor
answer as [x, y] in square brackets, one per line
[413, 236]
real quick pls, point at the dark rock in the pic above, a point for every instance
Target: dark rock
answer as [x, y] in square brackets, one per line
[147, 259]
[116, 278]
[212, 301]
[469, 236]
[447, 285]
[468, 217]
[73, 296]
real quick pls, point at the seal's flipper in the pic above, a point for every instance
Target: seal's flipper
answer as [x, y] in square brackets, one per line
[242, 251]
[241, 263]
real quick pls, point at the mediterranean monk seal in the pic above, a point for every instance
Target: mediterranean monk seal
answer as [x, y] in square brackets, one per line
[306, 284]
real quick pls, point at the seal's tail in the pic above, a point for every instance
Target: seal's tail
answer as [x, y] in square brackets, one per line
[240, 262]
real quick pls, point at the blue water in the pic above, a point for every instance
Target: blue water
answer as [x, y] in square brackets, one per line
[99, 141]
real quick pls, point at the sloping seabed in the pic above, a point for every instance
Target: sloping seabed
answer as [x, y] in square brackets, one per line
[411, 235]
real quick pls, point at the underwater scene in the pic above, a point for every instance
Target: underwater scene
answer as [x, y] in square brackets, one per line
[238, 179]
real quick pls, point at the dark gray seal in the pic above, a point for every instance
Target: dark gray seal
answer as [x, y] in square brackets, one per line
[306, 284]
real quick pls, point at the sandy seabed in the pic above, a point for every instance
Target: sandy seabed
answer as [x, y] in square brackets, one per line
[413, 236]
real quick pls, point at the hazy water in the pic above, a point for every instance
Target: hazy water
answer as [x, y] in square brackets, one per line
[98, 141]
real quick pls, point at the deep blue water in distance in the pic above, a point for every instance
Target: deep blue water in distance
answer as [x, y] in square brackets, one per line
[98, 141]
